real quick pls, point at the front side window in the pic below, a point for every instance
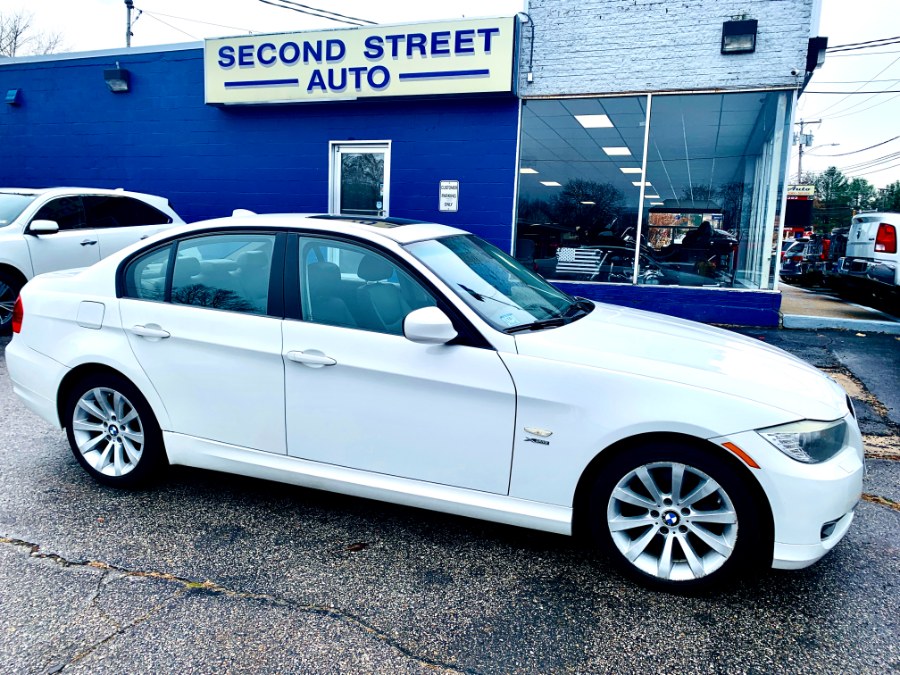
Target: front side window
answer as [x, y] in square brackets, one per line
[67, 212]
[497, 287]
[354, 287]
[102, 211]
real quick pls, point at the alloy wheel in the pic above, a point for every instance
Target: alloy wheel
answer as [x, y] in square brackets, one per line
[672, 521]
[108, 431]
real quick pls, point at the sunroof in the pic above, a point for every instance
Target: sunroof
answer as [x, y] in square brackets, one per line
[372, 222]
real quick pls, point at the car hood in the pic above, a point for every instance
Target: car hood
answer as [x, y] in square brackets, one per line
[663, 347]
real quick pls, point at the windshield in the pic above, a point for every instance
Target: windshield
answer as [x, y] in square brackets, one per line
[11, 205]
[503, 292]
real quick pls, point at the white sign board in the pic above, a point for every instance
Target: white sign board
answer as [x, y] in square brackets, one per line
[469, 56]
[449, 200]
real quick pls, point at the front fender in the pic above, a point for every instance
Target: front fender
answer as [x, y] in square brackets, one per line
[589, 409]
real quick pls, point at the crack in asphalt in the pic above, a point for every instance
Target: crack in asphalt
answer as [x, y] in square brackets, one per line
[213, 588]
[120, 630]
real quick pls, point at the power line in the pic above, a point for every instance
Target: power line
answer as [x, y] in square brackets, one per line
[861, 86]
[885, 168]
[848, 114]
[856, 93]
[208, 23]
[844, 154]
[864, 42]
[156, 18]
[838, 56]
[853, 49]
[851, 81]
[318, 13]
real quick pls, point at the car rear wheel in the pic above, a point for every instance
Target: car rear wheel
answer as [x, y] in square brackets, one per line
[112, 431]
[9, 291]
[677, 518]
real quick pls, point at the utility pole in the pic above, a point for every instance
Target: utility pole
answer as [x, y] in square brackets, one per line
[129, 5]
[805, 140]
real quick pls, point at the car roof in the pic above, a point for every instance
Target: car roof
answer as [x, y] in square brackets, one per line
[68, 190]
[400, 230]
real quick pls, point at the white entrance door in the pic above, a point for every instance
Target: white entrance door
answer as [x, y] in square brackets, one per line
[360, 179]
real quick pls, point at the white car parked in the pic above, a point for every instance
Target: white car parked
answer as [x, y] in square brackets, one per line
[872, 263]
[417, 364]
[43, 230]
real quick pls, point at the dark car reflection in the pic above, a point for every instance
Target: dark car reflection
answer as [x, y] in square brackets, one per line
[691, 262]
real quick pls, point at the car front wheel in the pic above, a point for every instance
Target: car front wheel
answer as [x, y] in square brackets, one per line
[677, 518]
[112, 431]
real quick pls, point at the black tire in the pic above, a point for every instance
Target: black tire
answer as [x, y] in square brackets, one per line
[10, 286]
[681, 527]
[105, 415]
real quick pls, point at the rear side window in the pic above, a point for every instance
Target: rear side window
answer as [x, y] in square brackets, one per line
[67, 212]
[229, 272]
[145, 277]
[102, 211]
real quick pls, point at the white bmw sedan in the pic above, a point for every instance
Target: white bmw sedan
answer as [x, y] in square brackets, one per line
[415, 363]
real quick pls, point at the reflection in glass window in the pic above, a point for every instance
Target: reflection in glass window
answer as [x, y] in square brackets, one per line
[229, 272]
[580, 161]
[145, 278]
[112, 211]
[714, 163]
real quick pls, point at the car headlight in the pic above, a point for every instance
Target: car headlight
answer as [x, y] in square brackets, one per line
[808, 441]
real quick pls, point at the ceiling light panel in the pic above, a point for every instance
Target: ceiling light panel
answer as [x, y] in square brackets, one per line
[594, 121]
[617, 151]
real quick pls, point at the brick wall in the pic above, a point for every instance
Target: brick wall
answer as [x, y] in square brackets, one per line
[161, 138]
[615, 46]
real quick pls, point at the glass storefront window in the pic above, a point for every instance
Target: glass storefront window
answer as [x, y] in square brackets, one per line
[714, 167]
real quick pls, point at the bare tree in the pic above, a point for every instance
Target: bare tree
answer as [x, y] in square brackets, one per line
[19, 37]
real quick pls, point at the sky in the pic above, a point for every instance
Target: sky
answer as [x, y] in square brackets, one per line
[853, 121]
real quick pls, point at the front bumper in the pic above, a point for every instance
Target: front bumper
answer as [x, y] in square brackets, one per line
[812, 504]
[35, 379]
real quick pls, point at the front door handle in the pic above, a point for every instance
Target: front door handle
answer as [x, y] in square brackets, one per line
[312, 358]
[88, 242]
[150, 331]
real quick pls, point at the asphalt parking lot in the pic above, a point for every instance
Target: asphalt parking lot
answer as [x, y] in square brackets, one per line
[214, 573]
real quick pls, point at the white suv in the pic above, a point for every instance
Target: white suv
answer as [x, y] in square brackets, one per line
[873, 258]
[44, 230]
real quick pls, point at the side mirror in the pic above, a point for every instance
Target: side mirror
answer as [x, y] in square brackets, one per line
[43, 227]
[429, 326]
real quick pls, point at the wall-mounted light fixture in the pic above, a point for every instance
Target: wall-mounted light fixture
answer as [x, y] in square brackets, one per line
[815, 53]
[117, 79]
[14, 97]
[739, 37]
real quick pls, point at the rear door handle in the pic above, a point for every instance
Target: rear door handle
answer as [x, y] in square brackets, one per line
[312, 358]
[88, 242]
[150, 331]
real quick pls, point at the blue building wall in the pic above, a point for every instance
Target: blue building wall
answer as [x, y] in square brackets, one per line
[161, 138]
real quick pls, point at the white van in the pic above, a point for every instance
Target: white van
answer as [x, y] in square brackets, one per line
[872, 263]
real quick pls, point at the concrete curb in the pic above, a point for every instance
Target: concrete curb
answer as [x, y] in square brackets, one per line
[861, 325]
